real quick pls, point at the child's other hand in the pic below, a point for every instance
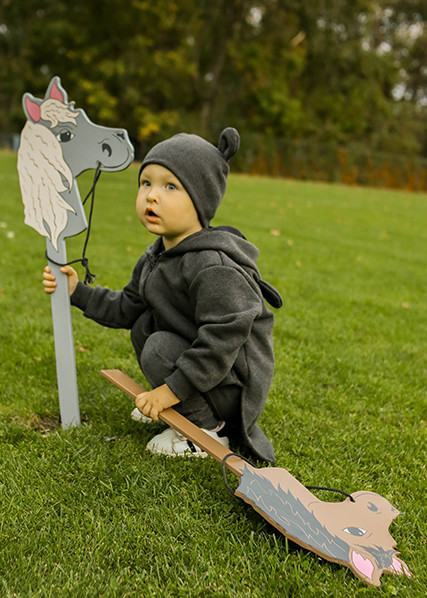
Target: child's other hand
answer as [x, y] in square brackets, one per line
[152, 403]
[49, 280]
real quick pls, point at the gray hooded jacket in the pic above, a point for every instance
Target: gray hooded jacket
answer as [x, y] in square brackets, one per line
[208, 290]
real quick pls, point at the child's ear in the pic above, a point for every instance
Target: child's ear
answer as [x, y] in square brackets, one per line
[229, 143]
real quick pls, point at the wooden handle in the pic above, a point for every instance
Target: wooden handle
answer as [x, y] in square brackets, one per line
[180, 423]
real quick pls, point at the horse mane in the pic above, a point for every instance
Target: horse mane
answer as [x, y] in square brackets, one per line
[288, 513]
[42, 172]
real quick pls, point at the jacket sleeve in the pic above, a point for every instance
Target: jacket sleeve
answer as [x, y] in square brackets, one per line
[225, 305]
[115, 309]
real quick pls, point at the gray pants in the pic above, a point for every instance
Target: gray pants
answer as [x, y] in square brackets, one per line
[158, 353]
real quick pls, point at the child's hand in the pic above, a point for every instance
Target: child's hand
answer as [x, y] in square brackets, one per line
[154, 402]
[49, 280]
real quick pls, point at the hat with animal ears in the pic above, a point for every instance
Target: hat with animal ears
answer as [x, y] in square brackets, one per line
[201, 167]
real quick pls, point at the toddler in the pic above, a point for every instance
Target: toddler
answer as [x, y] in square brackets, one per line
[195, 303]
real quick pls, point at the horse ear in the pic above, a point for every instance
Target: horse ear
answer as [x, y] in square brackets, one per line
[31, 108]
[365, 567]
[229, 143]
[55, 91]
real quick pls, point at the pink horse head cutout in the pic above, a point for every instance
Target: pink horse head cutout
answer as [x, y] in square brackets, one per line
[58, 143]
[353, 532]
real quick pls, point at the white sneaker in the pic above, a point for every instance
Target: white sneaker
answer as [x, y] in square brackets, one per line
[173, 444]
[137, 416]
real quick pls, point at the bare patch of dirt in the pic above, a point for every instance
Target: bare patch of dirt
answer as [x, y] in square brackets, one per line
[41, 423]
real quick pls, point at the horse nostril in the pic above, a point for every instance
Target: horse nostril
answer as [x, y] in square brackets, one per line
[121, 135]
[107, 148]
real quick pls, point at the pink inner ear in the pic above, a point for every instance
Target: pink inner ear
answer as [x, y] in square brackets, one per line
[33, 109]
[363, 565]
[55, 94]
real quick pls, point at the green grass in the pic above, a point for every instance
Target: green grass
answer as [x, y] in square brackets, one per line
[84, 515]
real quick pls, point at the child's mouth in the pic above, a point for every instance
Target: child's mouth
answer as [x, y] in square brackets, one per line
[151, 215]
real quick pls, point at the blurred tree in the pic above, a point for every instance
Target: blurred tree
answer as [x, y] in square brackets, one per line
[343, 72]
[269, 62]
[125, 62]
[407, 32]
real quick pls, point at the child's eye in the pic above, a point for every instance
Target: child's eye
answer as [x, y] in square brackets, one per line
[170, 187]
[146, 183]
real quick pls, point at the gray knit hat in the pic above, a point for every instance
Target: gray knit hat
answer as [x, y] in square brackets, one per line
[200, 166]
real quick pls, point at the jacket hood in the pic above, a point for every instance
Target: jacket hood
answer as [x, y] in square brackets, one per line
[230, 241]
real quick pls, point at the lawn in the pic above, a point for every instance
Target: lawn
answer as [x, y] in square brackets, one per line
[88, 512]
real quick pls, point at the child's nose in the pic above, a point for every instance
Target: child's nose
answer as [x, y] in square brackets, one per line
[151, 194]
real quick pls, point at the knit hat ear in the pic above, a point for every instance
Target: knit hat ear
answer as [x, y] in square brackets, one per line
[200, 166]
[229, 143]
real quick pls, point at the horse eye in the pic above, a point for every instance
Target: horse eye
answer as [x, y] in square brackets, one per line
[355, 531]
[65, 136]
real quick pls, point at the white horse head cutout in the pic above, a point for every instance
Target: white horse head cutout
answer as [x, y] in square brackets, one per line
[58, 143]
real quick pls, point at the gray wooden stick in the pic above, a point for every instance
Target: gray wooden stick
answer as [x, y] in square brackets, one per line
[64, 342]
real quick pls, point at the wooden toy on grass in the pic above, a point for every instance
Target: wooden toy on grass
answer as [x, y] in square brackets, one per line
[353, 532]
[59, 142]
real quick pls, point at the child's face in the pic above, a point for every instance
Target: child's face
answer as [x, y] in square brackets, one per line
[164, 206]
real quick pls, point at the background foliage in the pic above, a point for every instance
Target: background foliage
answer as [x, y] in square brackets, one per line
[343, 72]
